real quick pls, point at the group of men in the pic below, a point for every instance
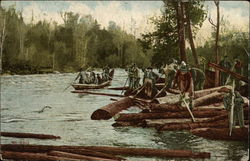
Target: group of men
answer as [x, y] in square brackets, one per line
[90, 77]
[184, 81]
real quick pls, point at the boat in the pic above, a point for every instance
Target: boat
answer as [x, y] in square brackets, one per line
[78, 86]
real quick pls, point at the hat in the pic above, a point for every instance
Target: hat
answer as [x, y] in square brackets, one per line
[149, 67]
[183, 67]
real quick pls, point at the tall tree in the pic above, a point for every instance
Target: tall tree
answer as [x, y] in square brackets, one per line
[2, 37]
[216, 47]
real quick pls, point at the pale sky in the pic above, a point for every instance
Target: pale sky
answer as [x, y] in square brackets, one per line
[122, 12]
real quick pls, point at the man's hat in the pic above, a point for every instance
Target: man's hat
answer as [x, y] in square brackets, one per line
[149, 67]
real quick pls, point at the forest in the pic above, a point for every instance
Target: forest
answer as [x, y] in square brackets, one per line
[81, 42]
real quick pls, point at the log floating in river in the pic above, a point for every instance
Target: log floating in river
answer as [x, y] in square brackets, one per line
[148, 152]
[108, 111]
[32, 156]
[77, 156]
[98, 93]
[238, 134]
[28, 135]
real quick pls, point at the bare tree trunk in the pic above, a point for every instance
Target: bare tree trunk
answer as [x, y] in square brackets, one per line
[190, 35]
[180, 27]
[217, 74]
[2, 36]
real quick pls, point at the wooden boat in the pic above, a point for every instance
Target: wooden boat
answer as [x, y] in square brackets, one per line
[78, 86]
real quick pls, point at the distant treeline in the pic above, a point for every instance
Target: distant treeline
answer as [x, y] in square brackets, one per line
[80, 42]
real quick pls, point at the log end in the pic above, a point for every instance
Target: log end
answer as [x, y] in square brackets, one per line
[100, 114]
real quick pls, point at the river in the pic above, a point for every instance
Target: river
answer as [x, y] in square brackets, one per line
[22, 96]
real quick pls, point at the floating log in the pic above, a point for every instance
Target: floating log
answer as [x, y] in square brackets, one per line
[204, 92]
[238, 134]
[166, 115]
[77, 156]
[115, 150]
[48, 148]
[118, 88]
[233, 74]
[110, 110]
[160, 122]
[28, 135]
[193, 125]
[32, 156]
[97, 93]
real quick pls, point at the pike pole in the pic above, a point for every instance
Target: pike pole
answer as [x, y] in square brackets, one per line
[189, 109]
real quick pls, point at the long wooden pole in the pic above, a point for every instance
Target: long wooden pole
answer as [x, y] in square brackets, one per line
[97, 93]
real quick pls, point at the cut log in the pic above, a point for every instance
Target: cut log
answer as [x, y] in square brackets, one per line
[112, 109]
[28, 135]
[117, 150]
[76, 156]
[32, 156]
[174, 99]
[160, 122]
[211, 98]
[48, 148]
[174, 108]
[118, 88]
[98, 93]
[238, 134]
[193, 125]
[166, 115]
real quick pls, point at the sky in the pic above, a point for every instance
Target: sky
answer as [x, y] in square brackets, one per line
[128, 13]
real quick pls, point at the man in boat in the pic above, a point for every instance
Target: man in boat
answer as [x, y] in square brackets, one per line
[105, 74]
[226, 64]
[183, 79]
[98, 79]
[238, 112]
[92, 77]
[134, 77]
[82, 76]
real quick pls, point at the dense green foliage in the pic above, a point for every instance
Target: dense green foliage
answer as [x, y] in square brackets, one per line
[164, 40]
[79, 42]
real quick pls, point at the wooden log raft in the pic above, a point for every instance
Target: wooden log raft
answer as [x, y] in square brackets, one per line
[238, 134]
[148, 152]
[32, 156]
[28, 135]
[112, 109]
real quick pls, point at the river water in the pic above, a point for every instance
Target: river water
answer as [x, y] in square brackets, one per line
[22, 96]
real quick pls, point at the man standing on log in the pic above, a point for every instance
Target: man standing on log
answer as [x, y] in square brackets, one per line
[183, 79]
[149, 82]
[226, 64]
[134, 78]
[238, 107]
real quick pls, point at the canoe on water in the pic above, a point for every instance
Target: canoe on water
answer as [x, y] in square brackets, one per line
[78, 86]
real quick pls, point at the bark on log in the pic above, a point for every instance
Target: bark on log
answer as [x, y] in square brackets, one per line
[117, 150]
[28, 135]
[238, 134]
[98, 93]
[32, 156]
[76, 156]
[110, 110]
[174, 108]
[174, 99]
[193, 125]
[160, 122]
[48, 148]
[166, 115]
[214, 97]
